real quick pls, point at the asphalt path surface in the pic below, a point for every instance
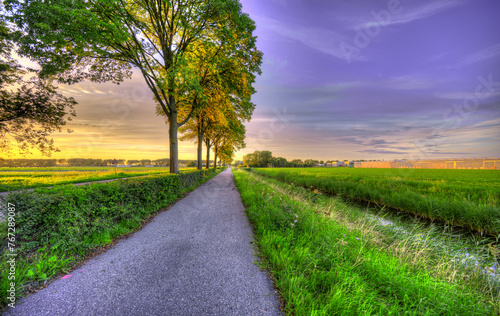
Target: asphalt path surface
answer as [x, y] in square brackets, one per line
[194, 259]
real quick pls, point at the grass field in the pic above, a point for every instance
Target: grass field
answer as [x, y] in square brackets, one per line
[327, 258]
[12, 179]
[468, 198]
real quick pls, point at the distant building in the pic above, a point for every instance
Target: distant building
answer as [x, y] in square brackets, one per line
[467, 163]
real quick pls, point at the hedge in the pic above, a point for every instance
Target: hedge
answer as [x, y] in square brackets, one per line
[68, 217]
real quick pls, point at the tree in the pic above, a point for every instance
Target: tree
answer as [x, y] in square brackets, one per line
[162, 162]
[258, 158]
[191, 164]
[310, 163]
[249, 159]
[30, 109]
[101, 38]
[296, 163]
[227, 90]
[227, 138]
[145, 162]
[204, 118]
[279, 162]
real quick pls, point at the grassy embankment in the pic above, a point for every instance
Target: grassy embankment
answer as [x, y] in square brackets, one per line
[327, 259]
[25, 178]
[56, 228]
[466, 198]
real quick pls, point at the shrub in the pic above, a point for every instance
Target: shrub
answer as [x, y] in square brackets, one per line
[191, 164]
[62, 216]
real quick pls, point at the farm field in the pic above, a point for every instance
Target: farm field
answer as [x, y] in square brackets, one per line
[467, 198]
[329, 257]
[12, 179]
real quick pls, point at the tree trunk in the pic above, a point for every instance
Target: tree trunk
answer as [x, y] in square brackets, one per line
[215, 156]
[174, 144]
[208, 157]
[200, 147]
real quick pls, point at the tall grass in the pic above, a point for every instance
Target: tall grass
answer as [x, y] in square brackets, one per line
[467, 198]
[328, 260]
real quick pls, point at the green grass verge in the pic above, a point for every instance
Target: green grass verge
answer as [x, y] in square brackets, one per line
[58, 227]
[466, 198]
[324, 262]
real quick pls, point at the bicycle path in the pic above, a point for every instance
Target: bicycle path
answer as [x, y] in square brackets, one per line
[194, 259]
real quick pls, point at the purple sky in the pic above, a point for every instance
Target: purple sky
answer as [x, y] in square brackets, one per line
[377, 79]
[340, 79]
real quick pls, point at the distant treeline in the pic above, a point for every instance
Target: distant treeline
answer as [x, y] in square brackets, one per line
[83, 162]
[265, 159]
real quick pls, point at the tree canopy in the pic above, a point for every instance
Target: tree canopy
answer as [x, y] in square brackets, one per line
[30, 108]
[265, 158]
[101, 40]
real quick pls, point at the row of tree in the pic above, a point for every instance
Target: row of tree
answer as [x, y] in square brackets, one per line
[87, 162]
[198, 57]
[265, 159]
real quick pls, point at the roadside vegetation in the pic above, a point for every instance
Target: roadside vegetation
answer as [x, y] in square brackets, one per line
[466, 198]
[59, 227]
[328, 258]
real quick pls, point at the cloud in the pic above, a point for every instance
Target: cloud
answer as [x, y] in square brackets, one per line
[323, 40]
[366, 141]
[427, 10]
[408, 15]
[464, 95]
[407, 83]
[276, 63]
[381, 151]
[482, 55]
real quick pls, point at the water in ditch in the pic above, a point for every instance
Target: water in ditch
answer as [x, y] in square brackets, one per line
[470, 249]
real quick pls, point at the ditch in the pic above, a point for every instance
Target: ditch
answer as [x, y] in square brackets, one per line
[468, 248]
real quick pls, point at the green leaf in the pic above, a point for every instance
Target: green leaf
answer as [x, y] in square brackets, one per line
[30, 273]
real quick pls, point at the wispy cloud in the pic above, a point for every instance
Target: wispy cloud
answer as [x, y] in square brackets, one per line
[427, 10]
[408, 83]
[381, 151]
[322, 40]
[276, 63]
[482, 55]
[463, 95]
[407, 14]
